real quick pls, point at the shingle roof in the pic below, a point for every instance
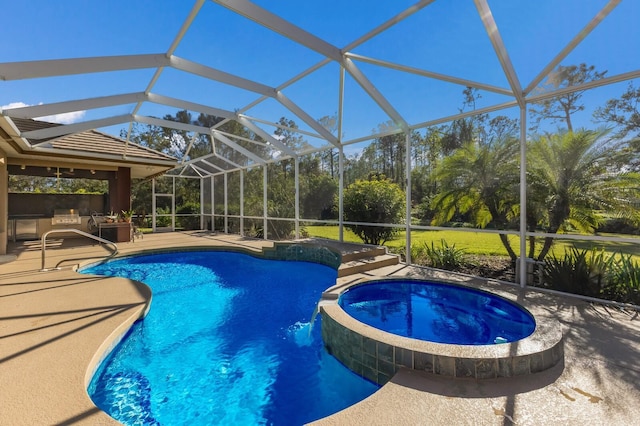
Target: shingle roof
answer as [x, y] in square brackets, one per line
[91, 141]
[27, 125]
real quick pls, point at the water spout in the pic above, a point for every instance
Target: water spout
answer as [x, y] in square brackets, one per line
[326, 298]
[316, 310]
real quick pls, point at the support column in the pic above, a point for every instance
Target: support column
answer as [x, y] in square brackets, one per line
[4, 203]
[120, 190]
[297, 191]
[523, 197]
[226, 204]
[242, 202]
[202, 202]
[120, 198]
[265, 194]
[153, 205]
[341, 194]
[407, 191]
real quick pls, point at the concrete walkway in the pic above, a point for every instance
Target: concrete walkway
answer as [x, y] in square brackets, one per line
[54, 326]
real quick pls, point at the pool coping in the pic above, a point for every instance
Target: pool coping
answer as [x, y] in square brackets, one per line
[377, 355]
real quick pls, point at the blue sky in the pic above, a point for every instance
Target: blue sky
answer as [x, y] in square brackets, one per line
[446, 37]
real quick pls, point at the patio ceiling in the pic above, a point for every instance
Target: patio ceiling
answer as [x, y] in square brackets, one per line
[354, 66]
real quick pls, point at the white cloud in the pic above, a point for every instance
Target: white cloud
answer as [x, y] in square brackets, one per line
[15, 105]
[66, 118]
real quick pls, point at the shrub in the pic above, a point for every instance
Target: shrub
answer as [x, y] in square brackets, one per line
[625, 285]
[582, 272]
[188, 222]
[376, 200]
[256, 231]
[163, 221]
[445, 256]
[280, 229]
[619, 226]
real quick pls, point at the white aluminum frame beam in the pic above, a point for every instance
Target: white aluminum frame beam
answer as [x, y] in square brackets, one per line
[61, 67]
[471, 113]
[306, 118]
[195, 160]
[430, 74]
[283, 27]
[220, 76]
[171, 124]
[585, 86]
[226, 160]
[213, 165]
[191, 106]
[53, 132]
[373, 92]
[264, 135]
[235, 138]
[172, 48]
[572, 44]
[388, 24]
[501, 51]
[44, 110]
[271, 123]
[242, 83]
[200, 171]
[194, 137]
[231, 144]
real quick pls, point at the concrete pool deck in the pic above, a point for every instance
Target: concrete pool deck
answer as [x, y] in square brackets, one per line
[55, 325]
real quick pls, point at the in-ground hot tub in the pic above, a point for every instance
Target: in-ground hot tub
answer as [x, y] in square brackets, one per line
[378, 327]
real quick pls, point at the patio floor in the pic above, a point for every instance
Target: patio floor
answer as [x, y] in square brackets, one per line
[54, 326]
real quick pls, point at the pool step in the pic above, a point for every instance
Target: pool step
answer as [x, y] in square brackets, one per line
[366, 260]
[355, 258]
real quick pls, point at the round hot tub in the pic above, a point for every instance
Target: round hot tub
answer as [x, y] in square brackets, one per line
[438, 312]
[377, 327]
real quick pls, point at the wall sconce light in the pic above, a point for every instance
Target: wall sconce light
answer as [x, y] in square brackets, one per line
[48, 169]
[22, 167]
[93, 172]
[71, 169]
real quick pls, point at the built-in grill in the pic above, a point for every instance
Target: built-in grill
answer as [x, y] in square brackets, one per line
[66, 217]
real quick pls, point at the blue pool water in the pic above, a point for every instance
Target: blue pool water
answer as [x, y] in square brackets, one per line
[438, 312]
[226, 342]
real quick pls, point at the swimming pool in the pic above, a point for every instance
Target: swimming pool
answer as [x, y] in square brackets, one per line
[226, 342]
[437, 312]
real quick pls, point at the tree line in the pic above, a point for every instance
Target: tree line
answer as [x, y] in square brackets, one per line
[464, 171]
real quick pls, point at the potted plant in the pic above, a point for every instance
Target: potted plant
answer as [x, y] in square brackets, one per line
[111, 217]
[127, 215]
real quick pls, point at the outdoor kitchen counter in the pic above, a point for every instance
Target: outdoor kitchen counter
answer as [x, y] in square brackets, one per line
[32, 227]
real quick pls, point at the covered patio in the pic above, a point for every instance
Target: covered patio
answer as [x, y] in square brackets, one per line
[90, 155]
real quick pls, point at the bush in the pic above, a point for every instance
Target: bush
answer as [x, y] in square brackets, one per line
[578, 271]
[188, 222]
[625, 285]
[442, 257]
[163, 221]
[377, 200]
[619, 226]
[592, 273]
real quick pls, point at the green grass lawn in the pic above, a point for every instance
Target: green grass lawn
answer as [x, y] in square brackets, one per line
[475, 243]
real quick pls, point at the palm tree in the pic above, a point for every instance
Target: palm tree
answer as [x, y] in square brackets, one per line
[572, 176]
[481, 180]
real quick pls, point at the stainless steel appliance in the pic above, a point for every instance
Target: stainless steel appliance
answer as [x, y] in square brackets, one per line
[66, 217]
